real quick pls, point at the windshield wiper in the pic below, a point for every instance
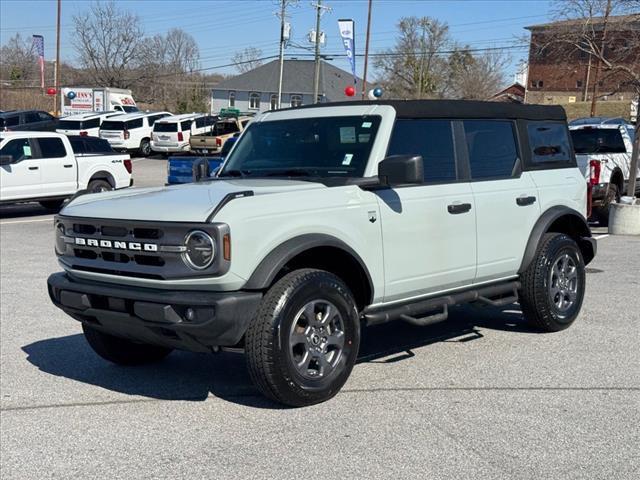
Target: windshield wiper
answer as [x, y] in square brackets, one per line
[292, 172]
[235, 173]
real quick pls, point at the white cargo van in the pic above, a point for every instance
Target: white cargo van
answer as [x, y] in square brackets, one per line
[131, 131]
[84, 124]
[172, 134]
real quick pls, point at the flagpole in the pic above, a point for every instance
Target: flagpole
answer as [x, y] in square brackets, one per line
[366, 53]
[56, 109]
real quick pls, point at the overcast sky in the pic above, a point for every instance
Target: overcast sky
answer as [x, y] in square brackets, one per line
[223, 27]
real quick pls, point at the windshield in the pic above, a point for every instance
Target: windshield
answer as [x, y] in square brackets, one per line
[165, 127]
[130, 109]
[314, 147]
[598, 140]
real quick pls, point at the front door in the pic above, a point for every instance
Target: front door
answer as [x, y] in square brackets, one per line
[429, 230]
[21, 178]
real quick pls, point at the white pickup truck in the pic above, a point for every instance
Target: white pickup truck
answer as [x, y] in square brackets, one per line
[603, 148]
[44, 167]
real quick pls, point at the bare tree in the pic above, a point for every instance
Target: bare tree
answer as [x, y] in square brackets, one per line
[414, 67]
[247, 59]
[475, 77]
[18, 61]
[586, 30]
[108, 41]
[181, 51]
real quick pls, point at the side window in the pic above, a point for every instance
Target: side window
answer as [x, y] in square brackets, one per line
[185, 126]
[152, 119]
[94, 123]
[11, 121]
[433, 139]
[77, 145]
[492, 148]
[98, 145]
[51, 147]
[18, 149]
[44, 117]
[31, 117]
[549, 142]
[138, 123]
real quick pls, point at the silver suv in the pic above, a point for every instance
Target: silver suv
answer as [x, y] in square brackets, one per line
[327, 218]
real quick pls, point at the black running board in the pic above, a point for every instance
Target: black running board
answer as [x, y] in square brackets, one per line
[495, 295]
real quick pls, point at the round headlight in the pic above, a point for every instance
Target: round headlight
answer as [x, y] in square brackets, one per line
[60, 244]
[201, 250]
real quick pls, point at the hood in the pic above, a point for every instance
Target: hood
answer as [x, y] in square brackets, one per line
[192, 202]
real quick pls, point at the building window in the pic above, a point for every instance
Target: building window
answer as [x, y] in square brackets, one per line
[254, 101]
[296, 100]
[578, 83]
[232, 99]
[274, 101]
[537, 83]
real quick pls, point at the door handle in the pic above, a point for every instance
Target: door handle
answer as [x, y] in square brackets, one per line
[524, 201]
[68, 166]
[456, 208]
[33, 168]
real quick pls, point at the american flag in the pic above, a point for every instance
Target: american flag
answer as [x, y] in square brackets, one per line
[38, 43]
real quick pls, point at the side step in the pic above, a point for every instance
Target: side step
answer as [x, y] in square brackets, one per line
[494, 295]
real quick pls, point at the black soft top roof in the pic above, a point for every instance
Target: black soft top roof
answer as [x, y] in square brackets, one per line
[458, 109]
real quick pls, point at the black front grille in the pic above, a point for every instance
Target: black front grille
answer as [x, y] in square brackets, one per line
[134, 248]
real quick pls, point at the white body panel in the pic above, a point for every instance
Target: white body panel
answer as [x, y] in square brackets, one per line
[59, 176]
[68, 125]
[95, 100]
[166, 142]
[121, 141]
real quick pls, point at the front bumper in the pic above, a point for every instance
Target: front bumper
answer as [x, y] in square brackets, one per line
[187, 320]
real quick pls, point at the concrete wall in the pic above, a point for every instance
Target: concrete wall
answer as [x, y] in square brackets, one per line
[220, 99]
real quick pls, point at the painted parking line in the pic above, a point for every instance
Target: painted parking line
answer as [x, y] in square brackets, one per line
[598, 237]
[48, 219]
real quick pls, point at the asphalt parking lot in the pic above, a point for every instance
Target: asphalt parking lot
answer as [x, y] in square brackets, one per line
[480, 396]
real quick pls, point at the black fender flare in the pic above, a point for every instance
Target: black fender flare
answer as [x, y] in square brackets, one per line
[263, 276]
[582, 234]
[103, 175]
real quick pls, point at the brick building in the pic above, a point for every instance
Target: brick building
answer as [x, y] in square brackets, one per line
[561, 73]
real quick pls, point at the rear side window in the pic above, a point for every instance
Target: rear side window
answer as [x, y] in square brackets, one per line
[135, 123]
[549, 142]
[598, 140]
[185, 126]
[31, 117]
[97, 145]
[44, 117]
[112, 125]
[77, 145]
[51, 148]
[433, 139]
[165, 127]
[93, 123]
[492, 148]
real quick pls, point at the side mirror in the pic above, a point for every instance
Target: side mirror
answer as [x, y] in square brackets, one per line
[200, 169]
[401, 170]
[6, 159]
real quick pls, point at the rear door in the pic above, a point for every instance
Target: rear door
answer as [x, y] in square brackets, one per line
[21, 178]
[505, 197]
[59, 167]
[429, 232]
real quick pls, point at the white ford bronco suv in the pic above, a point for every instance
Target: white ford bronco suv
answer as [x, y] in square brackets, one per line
[323, 219]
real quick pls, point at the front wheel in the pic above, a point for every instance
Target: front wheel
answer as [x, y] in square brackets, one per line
[303, 341]
[121, 351]
[552, 288]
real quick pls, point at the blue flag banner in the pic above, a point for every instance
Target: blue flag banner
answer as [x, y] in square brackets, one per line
[346, 27]
[38, 45]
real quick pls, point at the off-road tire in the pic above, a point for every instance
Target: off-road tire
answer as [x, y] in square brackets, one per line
[52, 204]
[267, 342]
[121, 351]
[601, 214]
[535, 292]
[96, 186]
[145, 148]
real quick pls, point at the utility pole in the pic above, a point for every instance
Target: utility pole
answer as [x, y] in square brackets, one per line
[320, 9]
[283, 8]
[596, 75]
[631, 186]
[56, 109]
[366, 52]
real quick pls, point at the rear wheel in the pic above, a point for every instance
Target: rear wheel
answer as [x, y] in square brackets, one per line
[602, 213]
[145, 148]
[97, 186]
[52, 204]
[121, 351]
[552, 288]
[303, 341]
